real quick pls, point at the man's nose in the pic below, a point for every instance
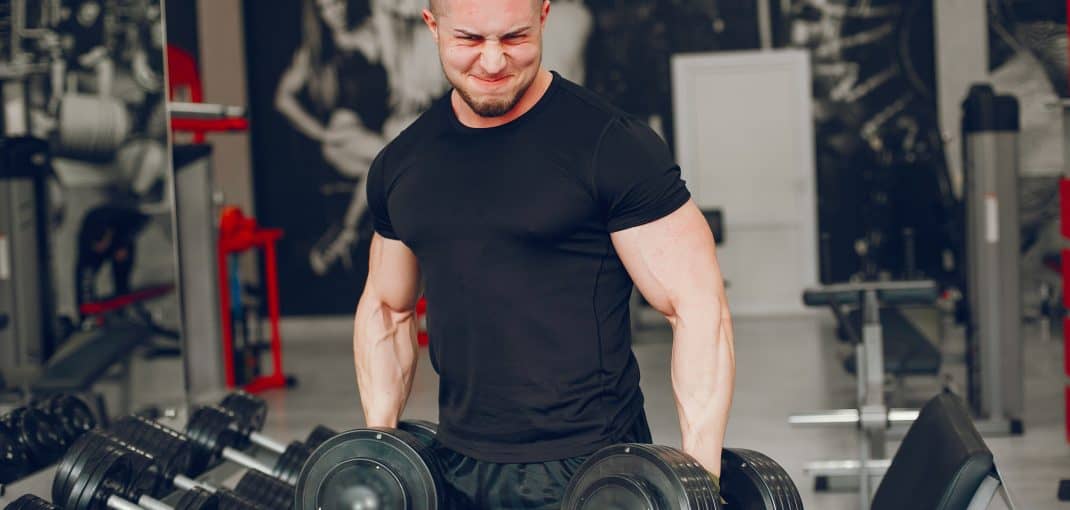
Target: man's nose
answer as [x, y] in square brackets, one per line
[493, 58]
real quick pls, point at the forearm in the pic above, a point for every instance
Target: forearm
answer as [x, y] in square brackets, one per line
[703, 377]
[384, 349]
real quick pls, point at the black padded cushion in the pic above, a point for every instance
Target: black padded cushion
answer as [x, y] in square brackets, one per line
[941, 462]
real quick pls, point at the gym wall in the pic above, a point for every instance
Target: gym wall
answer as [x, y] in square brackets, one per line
[619, 49]
[873, 73]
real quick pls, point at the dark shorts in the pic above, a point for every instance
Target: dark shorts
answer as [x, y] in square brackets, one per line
[474, 484]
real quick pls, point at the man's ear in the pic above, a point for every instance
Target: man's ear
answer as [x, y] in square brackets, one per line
[544, 12]
[432, 24]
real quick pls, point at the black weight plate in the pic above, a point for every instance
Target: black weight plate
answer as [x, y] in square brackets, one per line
[207, 429]
[231, 501]
[14, 463]
[74, 416]
[106, 474]
[371, 466]
[318, 436]
[30, 502]
[423, 430]
[289, 464]
[682, 469]
[251, 487]
[703, 484]
[746, 473]
[71, 467]
[279, 493]
[39, 434]
[146, 478]
[657, 471]
[178, 460]
[774, 476]
[774, 471]
[621, 492]
[197, 499]
[250, 410]
[691, 474]
[745, 485]
[694, 476]
[237, 431]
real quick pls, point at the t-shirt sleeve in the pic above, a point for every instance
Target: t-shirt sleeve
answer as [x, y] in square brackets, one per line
[377, 203]
[636, 178]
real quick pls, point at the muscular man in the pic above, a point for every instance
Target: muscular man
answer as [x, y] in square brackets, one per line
[525, 207]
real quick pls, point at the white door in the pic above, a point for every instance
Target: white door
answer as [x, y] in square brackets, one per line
[744, 139]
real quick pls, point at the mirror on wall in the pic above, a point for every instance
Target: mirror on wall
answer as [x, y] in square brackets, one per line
[88, 292]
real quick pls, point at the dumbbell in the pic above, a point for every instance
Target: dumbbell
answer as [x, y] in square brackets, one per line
[34, 437]
[374, 468]
[644, 476]
[36, 434]
[106, 475]
[208, 445]
[30, 502]
[14, 461]
[250, 412]
[71, 413]
[156, 477]
[154, 471]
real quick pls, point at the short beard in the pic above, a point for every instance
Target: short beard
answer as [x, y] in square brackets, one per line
[489, 109]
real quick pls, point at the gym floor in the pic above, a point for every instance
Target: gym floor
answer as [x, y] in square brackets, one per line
[784, 365]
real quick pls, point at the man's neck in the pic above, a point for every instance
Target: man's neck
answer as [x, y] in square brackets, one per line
[531, 97]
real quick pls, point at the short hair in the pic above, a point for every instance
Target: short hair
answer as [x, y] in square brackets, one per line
[433, 5]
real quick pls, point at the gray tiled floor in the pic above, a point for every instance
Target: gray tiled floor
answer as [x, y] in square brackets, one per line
[784, 365]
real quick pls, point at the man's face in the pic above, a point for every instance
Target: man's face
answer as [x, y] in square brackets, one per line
[491, 50]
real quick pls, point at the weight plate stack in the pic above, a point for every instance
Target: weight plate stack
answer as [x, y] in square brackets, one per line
[639, 477]
[371, 468]
[424, 430]
[318, 436]
[146, 479]
[105, 472]
[266, 491]
[30, 502]
[198, 499]
[250, 410]
[74, 416]
[209, 430]
[750, 478]
[38, 434]
[70, 468]
[289, 464]
[14, 462]
[231, 501]
[172, 447]
[698, 480]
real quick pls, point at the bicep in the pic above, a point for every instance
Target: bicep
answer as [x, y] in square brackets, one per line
[393, 274]
[672, 260]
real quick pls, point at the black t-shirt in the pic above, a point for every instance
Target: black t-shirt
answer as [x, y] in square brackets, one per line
[527, 300]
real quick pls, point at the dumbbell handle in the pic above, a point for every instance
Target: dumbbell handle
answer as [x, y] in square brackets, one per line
[266, 442]
[245, 460]
[188, 484]
[147, 503]
[117, 503]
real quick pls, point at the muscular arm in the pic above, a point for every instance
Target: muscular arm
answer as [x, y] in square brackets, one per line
[286, 98]
[384, 332]
[674, 265]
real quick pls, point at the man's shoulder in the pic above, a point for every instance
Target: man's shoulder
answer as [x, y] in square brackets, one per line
[427, 126]
[580, 100]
